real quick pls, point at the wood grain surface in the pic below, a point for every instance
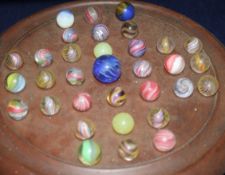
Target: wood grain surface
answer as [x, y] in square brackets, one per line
[41, 145]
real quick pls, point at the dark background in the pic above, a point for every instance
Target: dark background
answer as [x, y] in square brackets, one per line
[209, 13]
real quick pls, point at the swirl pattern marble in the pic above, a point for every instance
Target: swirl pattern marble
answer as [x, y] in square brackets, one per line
[52, 140]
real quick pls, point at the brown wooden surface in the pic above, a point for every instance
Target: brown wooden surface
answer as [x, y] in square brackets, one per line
[40, 145]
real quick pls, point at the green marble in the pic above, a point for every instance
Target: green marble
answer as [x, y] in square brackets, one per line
[15, 82]
[123, 123]
[102, 48]
[89, 153]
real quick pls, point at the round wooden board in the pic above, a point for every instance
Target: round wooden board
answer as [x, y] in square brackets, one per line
[43, 145]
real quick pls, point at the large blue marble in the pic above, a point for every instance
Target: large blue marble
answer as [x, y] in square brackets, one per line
[107, 69]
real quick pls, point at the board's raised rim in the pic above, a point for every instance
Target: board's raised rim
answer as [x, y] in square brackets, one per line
[141, 168]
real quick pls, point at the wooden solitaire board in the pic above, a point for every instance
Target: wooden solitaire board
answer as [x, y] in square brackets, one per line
[42, 145]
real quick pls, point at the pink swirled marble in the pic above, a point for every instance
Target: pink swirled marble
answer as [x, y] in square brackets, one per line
[82, 102]
[92, 15]
[164, 140]
[136, 48]
[174, 64]
[149, 90]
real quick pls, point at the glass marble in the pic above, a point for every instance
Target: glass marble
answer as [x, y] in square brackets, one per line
[82, 102]
[102, 48]
[136, 48]
[149, 90]
[15, 82]
[100, 32]
[125, 11]
[43, 57]
[129, 29]
[70, 35]
[158, 118]
[123, 123]
[71, 53]
[208, 85]
[75, 76]
[17, 109]
[90, 153]
[107, 69]
[174, 64]
[92, 15]
[128, 150]
[13, 61]
[183, 87]
[142, 68]
[193, 45]
[200, 62]
[164, 140]
[65, 19]
[165, 45]
[45, 79]
[85, 129]
[117, 97]
[50, 105]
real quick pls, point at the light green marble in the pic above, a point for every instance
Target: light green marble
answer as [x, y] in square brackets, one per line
[89, 152]
[102, 48]
[123, 123]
